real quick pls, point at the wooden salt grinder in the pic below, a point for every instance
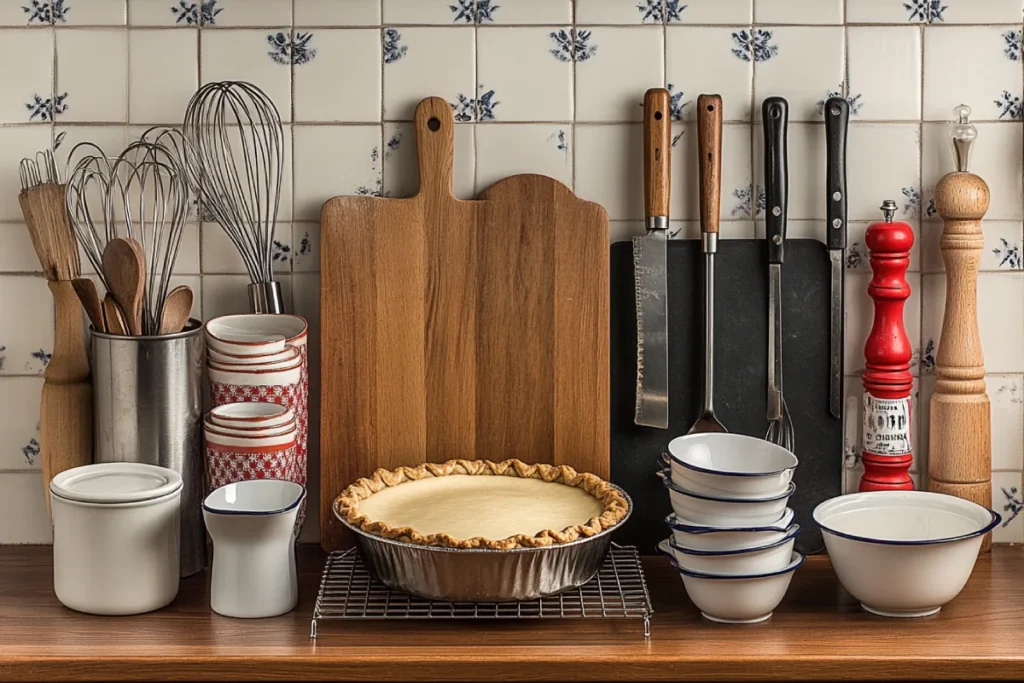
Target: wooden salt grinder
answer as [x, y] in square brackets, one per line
[960, 435]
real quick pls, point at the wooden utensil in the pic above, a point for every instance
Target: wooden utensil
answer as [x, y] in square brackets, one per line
[85, 288]
[960, 427]
[177, 307]
[114, 316]
[124, 269]
[65, 410]
[709, 151]
[460, 329]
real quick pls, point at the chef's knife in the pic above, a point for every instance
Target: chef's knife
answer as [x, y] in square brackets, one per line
[837, 117]
[650, 267]
[775, 115]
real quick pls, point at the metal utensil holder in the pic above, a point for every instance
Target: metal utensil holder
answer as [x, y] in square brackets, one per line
[147, 398]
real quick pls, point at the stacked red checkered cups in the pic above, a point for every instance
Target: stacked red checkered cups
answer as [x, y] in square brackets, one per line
[259, 377]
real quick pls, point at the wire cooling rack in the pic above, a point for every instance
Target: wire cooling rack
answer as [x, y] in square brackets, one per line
[619, 591]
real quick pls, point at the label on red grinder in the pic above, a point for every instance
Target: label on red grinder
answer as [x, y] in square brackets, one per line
[886, 425]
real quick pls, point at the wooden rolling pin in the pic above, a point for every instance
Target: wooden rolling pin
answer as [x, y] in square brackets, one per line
[960, 433]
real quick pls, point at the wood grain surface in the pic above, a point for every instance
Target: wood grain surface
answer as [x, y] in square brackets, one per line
[709, 146]
[817, 633]
[65, 411]
[461, 329]
[960, 431]
[657, 151]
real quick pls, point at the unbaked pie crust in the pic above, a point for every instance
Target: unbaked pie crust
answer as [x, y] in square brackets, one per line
[443, 505]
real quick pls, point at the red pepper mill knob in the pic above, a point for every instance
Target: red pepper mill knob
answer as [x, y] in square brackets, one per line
[887, 380]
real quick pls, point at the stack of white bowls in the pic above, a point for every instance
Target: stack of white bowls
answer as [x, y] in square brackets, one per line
[732, 530]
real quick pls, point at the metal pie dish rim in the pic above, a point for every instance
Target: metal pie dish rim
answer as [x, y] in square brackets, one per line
[666, 479]
[490, 551]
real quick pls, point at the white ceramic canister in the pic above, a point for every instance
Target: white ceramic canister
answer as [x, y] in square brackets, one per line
[116, 537]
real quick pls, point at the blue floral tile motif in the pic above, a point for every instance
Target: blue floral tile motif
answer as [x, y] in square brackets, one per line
[1012, 390]
[46, 108]
[854, 101]
[1012, 45]
[1010, 256]
[393, 144]
[481, 108]
[656, 11]
[3, 356]
[46, 12]
[31, 451]
[305, 246]
[1009, 106]
[913, 203]
[1014, 505]
[928, 357]
[676, 104]
[392, 46]
[855, 256]
[560, 142]
[746, 204]
[291, 50]
[203, 13]
[572, 45]
[282, 253]
[931, 211]
[473, 11]
[925, 10]
[42, 356]
[378, 189]
[754, 45]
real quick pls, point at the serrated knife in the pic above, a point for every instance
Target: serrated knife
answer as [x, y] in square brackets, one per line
[650, 267]
[837, 118]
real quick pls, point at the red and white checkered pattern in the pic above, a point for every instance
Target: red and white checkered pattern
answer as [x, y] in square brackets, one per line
[228, 464]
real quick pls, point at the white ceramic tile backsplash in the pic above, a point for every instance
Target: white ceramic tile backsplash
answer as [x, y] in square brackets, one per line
[546, 86]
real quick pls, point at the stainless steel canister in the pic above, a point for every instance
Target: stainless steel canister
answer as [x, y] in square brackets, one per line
[147, 403]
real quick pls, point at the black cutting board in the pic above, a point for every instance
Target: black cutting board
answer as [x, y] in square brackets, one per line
[741, 354]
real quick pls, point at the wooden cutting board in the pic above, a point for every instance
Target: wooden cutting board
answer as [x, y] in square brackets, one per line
[461, 329]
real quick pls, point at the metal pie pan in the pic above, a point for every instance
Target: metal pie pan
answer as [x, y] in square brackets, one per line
[484, 575]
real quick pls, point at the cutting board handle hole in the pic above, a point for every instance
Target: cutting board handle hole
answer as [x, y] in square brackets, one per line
[434, 124]
[657, 116]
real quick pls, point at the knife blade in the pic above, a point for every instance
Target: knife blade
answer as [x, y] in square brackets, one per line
[775, 116]
[837, 118]
[650, 267]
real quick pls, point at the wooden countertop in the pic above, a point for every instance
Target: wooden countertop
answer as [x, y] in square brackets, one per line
[818, 632]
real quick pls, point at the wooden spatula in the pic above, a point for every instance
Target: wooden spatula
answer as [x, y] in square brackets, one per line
[176, 309]
[125, 272]
[114, 316]
[90, 298]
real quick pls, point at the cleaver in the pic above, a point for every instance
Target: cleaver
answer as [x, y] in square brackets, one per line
[650, 270]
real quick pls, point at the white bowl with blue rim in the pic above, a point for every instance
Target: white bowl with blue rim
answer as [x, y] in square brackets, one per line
[703, 537]
[741, 599]
[726, 512]
[903, 553]
[730, 465]
[757, 560]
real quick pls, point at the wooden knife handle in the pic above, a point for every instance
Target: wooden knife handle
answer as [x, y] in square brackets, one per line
[657, 151]
[435, 146]
[709, 147]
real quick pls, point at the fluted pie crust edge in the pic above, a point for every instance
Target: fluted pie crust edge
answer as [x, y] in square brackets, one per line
[346, 505]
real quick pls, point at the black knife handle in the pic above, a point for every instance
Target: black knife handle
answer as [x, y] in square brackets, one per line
[837, 119]
[775, 117]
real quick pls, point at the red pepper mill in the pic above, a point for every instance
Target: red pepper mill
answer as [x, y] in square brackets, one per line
[887, 380]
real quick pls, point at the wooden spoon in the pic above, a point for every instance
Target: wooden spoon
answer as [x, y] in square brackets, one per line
[126, 274]
[176, 309]
[85, 288]
[116, 323]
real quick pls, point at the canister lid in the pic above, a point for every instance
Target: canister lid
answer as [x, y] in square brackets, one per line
[115, 482]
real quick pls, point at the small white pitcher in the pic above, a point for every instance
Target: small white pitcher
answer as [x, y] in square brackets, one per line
[252, 524]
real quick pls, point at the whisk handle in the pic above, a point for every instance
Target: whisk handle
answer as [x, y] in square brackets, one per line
[266, 297]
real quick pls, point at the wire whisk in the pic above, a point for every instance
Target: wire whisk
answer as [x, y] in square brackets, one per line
[233, 154]
[40, 169]
[141, 194]
[781, 432]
